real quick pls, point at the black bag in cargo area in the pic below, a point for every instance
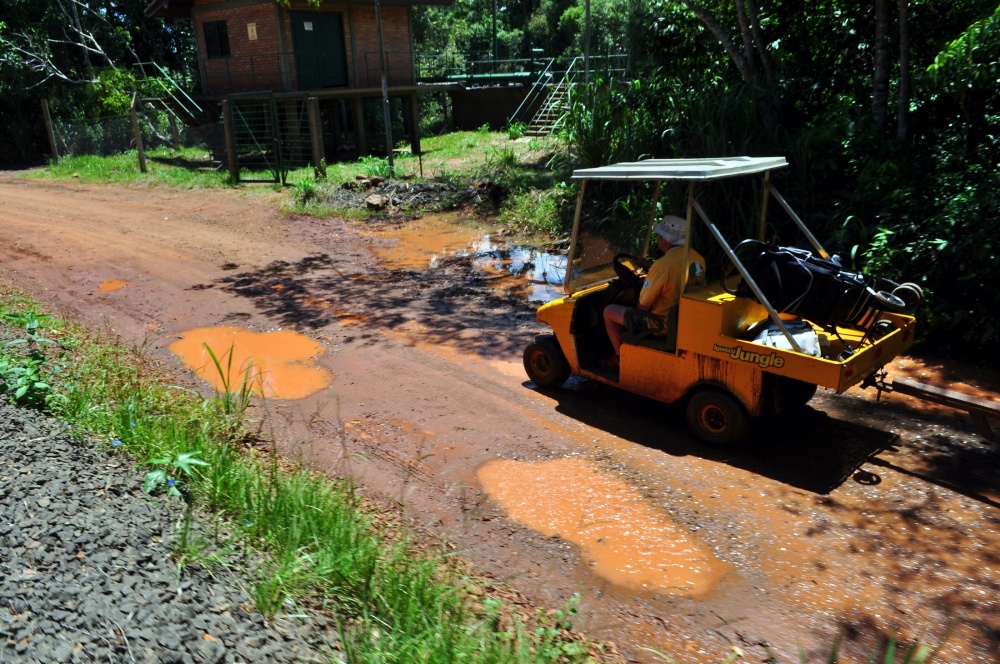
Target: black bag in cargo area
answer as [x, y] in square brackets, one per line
[796, 282]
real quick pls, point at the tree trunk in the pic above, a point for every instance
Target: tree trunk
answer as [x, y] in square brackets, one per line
[903, 114]
[765, 60]
[745, 67]
[880, 78]
[753, 42]
[748, 46]
[83, 46]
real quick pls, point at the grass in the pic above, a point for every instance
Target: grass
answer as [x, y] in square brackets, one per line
[315, 543]
[523, 169]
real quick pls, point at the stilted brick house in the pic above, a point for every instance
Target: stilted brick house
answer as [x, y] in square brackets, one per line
[329, 53]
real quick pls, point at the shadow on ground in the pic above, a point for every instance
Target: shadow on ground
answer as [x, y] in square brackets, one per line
[448, 304]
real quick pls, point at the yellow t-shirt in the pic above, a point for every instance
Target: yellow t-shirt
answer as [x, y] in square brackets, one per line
[661, 291]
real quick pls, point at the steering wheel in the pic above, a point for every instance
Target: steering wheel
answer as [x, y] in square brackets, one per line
[629, 276]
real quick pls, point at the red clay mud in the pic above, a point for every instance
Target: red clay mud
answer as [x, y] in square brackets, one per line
[858, 518]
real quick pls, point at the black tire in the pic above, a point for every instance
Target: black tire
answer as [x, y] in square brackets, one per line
[883, 328]
[545, 363]
[890, 302]
[910, 293]
[717, 418]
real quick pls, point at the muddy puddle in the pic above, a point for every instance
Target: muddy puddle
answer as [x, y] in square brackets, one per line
[112, 285]
[510, 267]
[622, 536]
[276, 365]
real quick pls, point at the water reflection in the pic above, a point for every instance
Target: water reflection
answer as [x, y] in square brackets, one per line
[511, 266]
[530, 272]
[275, 365]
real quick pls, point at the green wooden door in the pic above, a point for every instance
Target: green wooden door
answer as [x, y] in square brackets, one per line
[320, 56]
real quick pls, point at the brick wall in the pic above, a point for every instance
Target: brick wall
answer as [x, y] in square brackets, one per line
[395, 42]
[253, 64]
[260, 64]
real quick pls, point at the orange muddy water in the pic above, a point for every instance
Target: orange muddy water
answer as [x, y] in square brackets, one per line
[112, 285]
[278, 365]
[624, 538]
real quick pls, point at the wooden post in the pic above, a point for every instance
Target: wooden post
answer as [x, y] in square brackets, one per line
[360, 142]
[316, 133]
[173, 131]
[227, 129]
[414, 108]
[51, 132]
[337, 107]
[138, 134]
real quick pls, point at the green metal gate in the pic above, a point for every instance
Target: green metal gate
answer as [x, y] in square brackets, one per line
[269, 135]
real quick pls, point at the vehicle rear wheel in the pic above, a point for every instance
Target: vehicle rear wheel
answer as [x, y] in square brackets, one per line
[717, 418]
[545, 363]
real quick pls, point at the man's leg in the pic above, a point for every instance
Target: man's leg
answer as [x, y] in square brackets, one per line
[614, 322]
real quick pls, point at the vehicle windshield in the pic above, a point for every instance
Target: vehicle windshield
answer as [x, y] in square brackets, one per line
[623, 228]
[621, 202]
[596, 247]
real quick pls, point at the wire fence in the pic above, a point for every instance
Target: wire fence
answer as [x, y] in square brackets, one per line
[158, 128]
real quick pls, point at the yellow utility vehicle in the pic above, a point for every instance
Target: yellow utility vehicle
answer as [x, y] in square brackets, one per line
[776, 324]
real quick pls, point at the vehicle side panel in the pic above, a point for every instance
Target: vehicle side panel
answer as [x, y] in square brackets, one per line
[667, 377]
[558, 315]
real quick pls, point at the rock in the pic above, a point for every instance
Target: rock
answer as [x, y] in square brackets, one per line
[377, 202]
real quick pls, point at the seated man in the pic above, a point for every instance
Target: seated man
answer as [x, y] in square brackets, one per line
[661, 290]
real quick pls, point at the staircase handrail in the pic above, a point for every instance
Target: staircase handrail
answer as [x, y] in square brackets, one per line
[535, 90]
[565, 82]
[172, 92]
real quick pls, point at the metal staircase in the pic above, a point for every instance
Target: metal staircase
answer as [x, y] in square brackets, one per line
[173, 99]
[551, 93]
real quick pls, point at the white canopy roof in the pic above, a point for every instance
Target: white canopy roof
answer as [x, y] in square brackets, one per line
[681, 169]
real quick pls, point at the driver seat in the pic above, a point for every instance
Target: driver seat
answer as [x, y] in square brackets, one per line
[649, 330]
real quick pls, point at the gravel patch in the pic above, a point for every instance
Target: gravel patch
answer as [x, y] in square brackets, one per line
[86, 574]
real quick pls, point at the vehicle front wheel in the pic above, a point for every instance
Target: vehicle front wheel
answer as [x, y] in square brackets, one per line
[545, 363]
[717, 418]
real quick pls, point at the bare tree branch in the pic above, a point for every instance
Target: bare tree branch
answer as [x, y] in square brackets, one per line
[36, 53]
[880, 76]
[903, 113]
[748, 45]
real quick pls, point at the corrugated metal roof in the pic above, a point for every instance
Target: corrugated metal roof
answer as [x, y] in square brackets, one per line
[681, 169]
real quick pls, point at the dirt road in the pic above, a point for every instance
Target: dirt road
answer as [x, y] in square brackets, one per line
[858, 518]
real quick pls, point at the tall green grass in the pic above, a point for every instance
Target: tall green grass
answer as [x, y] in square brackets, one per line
[313, 541]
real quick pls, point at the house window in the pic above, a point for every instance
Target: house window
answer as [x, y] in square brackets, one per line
[216, 39]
